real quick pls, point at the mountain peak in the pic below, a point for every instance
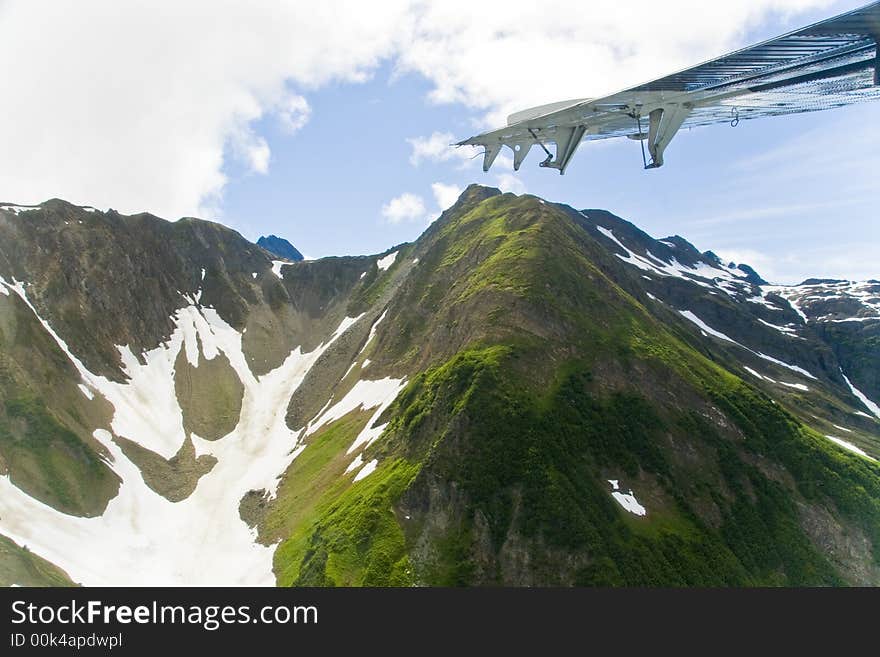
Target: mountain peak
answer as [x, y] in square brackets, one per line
[475, 193]
[280, 247]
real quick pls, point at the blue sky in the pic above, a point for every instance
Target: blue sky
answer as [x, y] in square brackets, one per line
[761, 192]
[296, 118]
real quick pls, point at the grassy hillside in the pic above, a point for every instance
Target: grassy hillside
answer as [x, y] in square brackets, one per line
[540, 380]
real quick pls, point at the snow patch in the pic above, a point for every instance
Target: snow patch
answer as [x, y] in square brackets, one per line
[610, 235]
[344, 326]
[718, 334]
[85, 391]
[759, 299]
[782, 363]
[787, 330]
[387, 261]
[355, 464]
[348, 371]
[15, 209]
[366, 470]
[757, 374]
[364, 395]
[837, 426]
[276, 267]
[142, 538]
[627, 500]
[701, 273]
[373, 330]
[366, 363]
[687, 314]
[849, 446]
[870, 405]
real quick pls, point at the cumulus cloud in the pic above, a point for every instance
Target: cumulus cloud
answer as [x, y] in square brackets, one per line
[508, 182]
[294, 113]
[445, 194]
[531, 53]
[768, 266]
[409, 207]
[251, 149]
[439, 147]
[142, 105]
[406, 207]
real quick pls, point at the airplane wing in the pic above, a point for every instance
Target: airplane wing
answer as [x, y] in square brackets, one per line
[829, 64]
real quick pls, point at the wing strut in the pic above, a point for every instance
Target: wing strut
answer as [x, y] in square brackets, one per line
[490, 154]
[664, 124]
[567, 141]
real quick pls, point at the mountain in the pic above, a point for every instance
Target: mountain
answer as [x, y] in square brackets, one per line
[846, 316]
[528, 394]
[280, 247]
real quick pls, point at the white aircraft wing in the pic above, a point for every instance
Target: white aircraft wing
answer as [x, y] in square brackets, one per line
[829, 64]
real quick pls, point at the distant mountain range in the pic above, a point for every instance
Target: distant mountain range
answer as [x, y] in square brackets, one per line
[527, 395]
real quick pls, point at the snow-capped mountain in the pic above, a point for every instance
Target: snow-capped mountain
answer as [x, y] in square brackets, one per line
[824, 300]
[528, 394]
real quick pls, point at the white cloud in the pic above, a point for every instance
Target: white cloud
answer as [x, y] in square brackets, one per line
[140, 105]
[445, 195]
[766, 265]
[436, 148]
[412, 207]
[853, 260]
[251, 149]
[509, 182]
[406, 207]
[499, 56]
[439, 147]
[294, 113]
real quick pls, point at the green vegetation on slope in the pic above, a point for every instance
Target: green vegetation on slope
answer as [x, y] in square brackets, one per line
[318, 469]
[544, 380]
[821, 470]
[49, 462]
[20, 566]
[210, 395]
[532, 467]
[337, 532]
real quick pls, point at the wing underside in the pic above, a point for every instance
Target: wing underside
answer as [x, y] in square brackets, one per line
[829, 64]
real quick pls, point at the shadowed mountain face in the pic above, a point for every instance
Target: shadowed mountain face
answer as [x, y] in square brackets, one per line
[528, 395]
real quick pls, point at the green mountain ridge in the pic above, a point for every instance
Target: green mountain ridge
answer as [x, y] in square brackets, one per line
[552, 379]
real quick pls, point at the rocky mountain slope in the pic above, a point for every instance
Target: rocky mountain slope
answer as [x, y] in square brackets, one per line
[528, 394]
